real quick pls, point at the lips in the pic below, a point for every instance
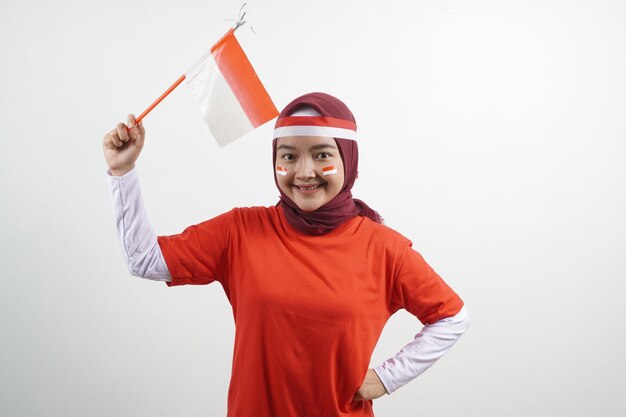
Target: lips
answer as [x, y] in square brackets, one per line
[308, 187]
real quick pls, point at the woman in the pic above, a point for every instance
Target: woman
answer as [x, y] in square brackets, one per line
[312, 281]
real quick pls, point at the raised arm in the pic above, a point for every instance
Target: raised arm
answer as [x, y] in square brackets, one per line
[140, 249]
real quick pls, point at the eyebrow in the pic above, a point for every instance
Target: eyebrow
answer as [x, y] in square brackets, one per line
[314, 147]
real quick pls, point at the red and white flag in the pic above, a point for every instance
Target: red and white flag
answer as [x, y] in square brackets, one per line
[281, 171]
[231, 98]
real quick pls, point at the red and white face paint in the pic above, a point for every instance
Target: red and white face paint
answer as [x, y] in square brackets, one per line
[329, 170]
[281, 171]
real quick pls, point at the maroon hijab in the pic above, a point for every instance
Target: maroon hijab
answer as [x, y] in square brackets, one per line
[343, 207]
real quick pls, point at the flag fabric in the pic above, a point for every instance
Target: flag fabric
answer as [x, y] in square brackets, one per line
[230, 96]
[329, 170]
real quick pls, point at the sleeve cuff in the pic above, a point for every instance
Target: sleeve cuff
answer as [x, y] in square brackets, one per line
[130, 174]
[385, 379]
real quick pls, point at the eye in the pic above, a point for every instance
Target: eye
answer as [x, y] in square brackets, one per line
[323, 155]
[288, 157]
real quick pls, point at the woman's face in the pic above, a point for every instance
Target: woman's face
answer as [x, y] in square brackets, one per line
[309, 170]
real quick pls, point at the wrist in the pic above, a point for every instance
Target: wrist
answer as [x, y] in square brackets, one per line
[118, 172]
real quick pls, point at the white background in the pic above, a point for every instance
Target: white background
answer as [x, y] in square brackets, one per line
[491, 134]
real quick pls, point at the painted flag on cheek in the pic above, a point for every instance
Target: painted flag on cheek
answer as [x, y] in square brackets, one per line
[329, 170]
[281, 171]
[230, 96]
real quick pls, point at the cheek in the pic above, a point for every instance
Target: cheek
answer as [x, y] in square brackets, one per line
[335, 181]
[342, 180]
[282, 182]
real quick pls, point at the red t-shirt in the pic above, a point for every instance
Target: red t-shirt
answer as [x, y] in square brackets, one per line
[308, 309]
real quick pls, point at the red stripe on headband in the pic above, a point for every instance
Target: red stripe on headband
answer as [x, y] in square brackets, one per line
[315, 121]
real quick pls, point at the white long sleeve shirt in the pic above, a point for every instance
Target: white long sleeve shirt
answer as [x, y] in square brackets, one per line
[143, 256]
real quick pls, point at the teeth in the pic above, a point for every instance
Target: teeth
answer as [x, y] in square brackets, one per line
[309, 188]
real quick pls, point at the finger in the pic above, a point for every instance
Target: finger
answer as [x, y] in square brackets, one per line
[139, 134]
[115, 139]
[131, 121]
[107, 142]
[135, 131]
[142, 130]
[122, 132]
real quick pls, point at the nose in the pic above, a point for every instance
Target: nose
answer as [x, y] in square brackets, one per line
[305, 169]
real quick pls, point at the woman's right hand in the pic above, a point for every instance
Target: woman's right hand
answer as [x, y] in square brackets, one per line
[123, 145]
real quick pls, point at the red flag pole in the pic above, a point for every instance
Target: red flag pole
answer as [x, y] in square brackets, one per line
[160, 99]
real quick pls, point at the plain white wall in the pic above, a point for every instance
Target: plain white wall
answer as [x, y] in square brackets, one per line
[492, 135]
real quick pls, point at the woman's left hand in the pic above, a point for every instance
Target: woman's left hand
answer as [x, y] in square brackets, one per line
[371, 389]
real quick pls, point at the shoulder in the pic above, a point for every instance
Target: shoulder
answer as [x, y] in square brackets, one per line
[244, 214]
[255, 217]
[254, 212]
[384, 234]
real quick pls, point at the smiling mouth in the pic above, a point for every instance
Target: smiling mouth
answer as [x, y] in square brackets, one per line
[308, 187]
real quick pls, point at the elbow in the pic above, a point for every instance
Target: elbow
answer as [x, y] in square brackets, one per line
[138, 265]
[140, 260]
[465, 320]
[151, 268]
[136, 271]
